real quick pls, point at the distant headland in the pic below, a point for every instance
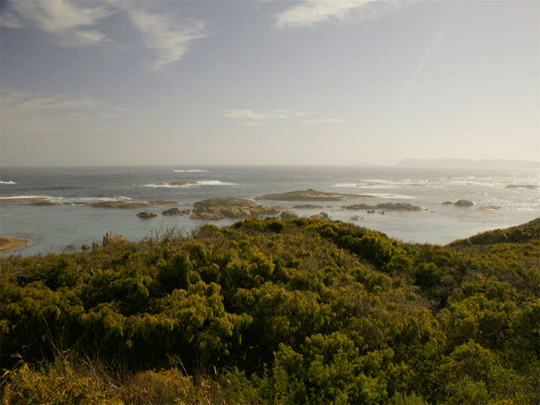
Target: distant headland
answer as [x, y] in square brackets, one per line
[469, 163]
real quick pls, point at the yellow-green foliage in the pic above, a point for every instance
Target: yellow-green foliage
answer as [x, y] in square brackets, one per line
[268, 311]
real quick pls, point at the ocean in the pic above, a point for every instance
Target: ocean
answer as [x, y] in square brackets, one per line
[52, 228]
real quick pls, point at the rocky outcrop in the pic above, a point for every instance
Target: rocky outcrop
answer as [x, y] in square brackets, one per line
[215, 209]
[459, 203]
[119, 204]
[311, 195]
[114, 238]
[384, 206]
[128, 205]
[175, 211]
[146, 215]
[307, 206]
[287, 214]
[321, 215]
[463, 203]
[355, 218]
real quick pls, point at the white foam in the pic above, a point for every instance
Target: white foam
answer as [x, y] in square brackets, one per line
[190, 184]
[7, 182]
[94, 199]
[382, 184]
[191, 171]
[214, 183]
[388, 195]
[30, 197]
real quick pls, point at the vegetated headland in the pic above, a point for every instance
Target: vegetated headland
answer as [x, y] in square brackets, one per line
[270, 311]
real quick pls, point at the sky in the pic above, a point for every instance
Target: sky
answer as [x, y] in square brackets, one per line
[262, 82]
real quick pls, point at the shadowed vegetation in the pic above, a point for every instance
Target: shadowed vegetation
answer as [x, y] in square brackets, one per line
[268, 311]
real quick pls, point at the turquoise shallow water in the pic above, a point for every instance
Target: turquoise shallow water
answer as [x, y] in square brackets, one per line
[52, 228]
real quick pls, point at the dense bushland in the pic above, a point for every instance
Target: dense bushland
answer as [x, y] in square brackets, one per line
[268, 311]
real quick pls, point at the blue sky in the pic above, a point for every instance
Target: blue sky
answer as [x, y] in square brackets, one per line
[267, 82]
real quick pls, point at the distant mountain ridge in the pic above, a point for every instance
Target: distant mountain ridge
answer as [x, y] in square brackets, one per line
[469, 163]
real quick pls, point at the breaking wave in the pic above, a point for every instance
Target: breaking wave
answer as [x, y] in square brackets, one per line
[189, 184]
[191, 171]
[7, 182]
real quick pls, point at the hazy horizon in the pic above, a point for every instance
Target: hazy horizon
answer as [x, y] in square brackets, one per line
[262, 82]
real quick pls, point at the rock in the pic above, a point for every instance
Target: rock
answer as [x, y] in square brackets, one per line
[321, 215]
[448, 203]
[463, 203]
[175, 211]
[146, 214]
[311, 195]
[113, 239]
[85, 246]
[356, 218]
[124, 205]
[307, 206]
[215, 209]
[163, 202]
[371, 211]
[384, 206]
[287, 215]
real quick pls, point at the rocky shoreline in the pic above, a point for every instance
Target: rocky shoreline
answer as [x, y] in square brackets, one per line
[218, 208]
[7, 243]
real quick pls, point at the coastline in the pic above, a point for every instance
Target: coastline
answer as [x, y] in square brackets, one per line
[8, 244]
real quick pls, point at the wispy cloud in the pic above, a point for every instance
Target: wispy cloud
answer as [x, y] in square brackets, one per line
[9, 20]
[76, 23]
[255, 118]
[311, 12]
[252, 115]
[66, 20]
[31, 114]
[168, 38]
[326, 120]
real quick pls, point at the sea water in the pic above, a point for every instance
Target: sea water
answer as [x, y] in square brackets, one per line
[52, 228]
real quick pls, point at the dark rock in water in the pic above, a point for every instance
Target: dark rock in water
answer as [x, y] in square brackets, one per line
[163, 202]
[175, 211]
[311, 195]
[146, 214]
[464, 203]
[384, 206]
[112, 239]
[448, 203]
[215, 209]
[85, 246]
[288, 214]
[307, 206]
[356, 218]
[321, 215]
[371, 211]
